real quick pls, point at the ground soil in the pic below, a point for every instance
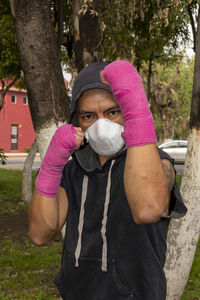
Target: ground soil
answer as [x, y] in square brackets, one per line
[14, 226]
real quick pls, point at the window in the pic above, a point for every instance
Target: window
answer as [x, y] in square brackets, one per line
[14, 99]
[170, 145]
[183, 145]
[25, 100]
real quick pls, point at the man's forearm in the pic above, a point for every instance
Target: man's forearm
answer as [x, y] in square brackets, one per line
[43, 219]
[145, 184]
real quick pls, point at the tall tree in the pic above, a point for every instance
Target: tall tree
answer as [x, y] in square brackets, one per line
[39, 52]
[142, 30]
[11, 74]
[10, 67]
[49, 104]
[110, 29]
[87, 32]
[184, 90]
[184, 234]
[164, 98]
[171, 97]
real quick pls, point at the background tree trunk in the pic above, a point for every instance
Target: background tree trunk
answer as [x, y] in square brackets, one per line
[27, 174]
[167, 124]
[87, 37]
[48, 101]
[184, 233]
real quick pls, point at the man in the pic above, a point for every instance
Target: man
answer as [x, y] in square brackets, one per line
[117, 194]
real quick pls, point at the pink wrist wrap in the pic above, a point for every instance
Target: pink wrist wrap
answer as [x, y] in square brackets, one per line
[57, 155]
[127, 88]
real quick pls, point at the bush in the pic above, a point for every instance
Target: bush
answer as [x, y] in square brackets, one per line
[3, 157]
[27, 149]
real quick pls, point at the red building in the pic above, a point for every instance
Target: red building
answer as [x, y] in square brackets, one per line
[16, 128]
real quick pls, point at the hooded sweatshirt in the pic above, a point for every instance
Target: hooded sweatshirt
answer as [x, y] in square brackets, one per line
[106, 255]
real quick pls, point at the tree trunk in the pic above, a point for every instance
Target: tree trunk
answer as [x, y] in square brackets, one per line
[167, 124]
[27, 174]
[60, 13]
[184, 233]
[87, 37]
[149, 78]
[48, 101]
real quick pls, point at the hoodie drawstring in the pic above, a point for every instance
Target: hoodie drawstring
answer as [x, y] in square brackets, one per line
[104, 221]
[81, 219]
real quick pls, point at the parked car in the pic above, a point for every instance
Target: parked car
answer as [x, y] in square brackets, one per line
[177, 149]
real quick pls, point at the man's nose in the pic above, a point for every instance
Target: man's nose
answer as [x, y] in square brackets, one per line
[100, 116]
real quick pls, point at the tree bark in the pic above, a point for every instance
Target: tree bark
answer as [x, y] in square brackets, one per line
[27, 174]
[184, 233]
[48, 101]
[195, 107]
[192, 25]
[58, 20]
[87, 38]
[167, 124]
[149, 78]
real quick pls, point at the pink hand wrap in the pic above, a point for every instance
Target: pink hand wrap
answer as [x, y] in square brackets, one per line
[127, 88]
[57, 155]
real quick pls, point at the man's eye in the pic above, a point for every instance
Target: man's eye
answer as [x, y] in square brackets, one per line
[113, 112]
[87, 117]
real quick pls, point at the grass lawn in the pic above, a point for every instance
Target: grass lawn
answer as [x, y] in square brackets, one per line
[10, 191]
[10, 184]
[27, 271]
[192, 289]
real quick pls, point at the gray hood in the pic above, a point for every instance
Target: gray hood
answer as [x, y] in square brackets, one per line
[87, 79]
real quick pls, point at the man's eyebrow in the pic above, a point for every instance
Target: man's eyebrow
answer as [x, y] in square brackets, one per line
[112, 107]
[85, 112]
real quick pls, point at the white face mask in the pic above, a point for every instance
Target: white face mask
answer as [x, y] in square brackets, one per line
[104, 136]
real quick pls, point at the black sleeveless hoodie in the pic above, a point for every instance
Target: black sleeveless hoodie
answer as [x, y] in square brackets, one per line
[106, 255]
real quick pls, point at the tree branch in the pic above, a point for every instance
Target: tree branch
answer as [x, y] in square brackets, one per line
[60, 18]
[5, 89]
[68, 43]
[194, 31]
